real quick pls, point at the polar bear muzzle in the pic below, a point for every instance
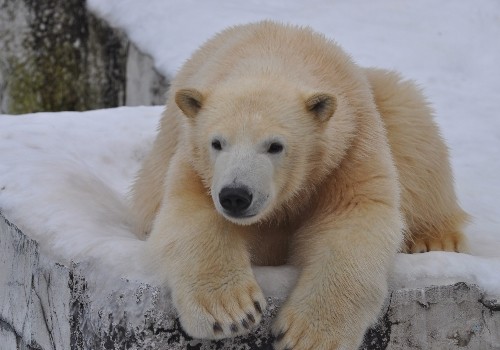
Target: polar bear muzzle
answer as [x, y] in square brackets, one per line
[235, 200]
[242, 184]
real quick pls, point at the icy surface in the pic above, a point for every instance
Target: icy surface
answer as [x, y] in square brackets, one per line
[64, 176]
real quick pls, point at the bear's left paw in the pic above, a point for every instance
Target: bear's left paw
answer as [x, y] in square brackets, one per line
[296, 330]
[228, 309]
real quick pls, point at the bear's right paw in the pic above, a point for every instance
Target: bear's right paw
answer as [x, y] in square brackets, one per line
[220, 310]
[448, 242]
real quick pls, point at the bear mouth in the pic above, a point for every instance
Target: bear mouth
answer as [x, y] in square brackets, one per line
[241, 218]
[239, 215]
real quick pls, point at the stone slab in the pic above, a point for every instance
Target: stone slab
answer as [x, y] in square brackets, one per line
[48, 306]
[89, 64]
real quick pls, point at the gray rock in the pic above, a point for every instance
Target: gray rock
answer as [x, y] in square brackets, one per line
[34, 298]
[45, 305]
[57, 56]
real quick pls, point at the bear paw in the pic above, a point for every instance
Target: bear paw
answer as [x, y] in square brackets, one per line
[294, 331]
[448, 242]
[222, 310]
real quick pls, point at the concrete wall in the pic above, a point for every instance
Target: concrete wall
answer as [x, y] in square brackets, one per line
[57, 56]
[47, 306]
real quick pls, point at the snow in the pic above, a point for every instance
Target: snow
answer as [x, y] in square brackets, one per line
[64, 179]
[64, 176]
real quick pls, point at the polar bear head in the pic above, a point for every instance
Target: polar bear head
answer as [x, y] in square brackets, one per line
[257, 143]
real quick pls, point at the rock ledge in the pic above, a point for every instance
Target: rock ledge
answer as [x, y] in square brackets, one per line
[47, 306]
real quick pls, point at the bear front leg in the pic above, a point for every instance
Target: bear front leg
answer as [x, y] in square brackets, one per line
[147, 190]
[345, 258]
[205, 261]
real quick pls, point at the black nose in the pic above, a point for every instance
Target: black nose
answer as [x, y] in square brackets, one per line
[235, 199]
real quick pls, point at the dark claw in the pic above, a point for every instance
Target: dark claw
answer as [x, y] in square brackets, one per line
[234, 328]
[245, 324]
[251, 318]
[217, 328]
[257, 306]
[274, 347]
[280, 336]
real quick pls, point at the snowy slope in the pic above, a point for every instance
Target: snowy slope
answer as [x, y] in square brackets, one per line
[64, 176]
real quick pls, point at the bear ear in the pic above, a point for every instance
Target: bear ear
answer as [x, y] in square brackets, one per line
[189, 101]
[322, 105]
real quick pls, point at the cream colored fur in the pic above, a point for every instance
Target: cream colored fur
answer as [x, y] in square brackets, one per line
[361, 157]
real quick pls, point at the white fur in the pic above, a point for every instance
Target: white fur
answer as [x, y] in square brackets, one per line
[244, 164]
[361, 156]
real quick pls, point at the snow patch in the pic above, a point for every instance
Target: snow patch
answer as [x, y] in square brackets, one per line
[64, 177]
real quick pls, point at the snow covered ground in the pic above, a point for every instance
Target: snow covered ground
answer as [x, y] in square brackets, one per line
[64, 176]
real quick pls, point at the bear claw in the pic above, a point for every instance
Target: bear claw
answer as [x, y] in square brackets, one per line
[217, 328]
[280, 336]
[245, 324]
[257, 307]
[234, 328]
[251, 318]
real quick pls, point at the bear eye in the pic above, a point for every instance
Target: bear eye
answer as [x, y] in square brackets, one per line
[275, 147]
[216, 145]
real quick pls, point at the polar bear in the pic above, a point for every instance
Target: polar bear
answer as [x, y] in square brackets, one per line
[276, 148]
